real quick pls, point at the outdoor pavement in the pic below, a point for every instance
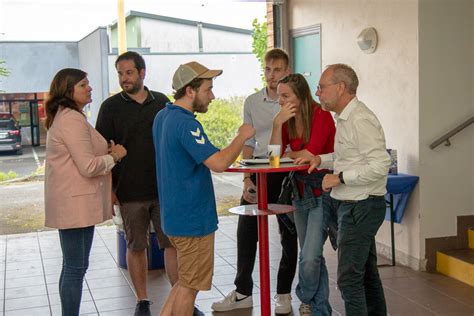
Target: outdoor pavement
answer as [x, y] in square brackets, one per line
[30, 265]
[25, 164]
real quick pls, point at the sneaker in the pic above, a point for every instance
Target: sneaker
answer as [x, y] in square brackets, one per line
[143, 308]
[231, 301]
[305, 309]
[283, 303]
[197, 312]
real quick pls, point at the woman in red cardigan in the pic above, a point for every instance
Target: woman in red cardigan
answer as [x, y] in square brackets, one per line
[308, 130]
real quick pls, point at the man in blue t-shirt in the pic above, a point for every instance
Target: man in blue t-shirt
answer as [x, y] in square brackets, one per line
[184, 159]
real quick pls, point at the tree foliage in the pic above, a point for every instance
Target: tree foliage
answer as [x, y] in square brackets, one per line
[259, 43]
[222, 120]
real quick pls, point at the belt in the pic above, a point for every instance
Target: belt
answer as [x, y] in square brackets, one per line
[369, 197]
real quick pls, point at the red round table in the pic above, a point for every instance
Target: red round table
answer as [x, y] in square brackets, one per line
[262, 209]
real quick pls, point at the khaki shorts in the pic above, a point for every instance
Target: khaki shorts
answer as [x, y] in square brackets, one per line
[195, 261]
[136, 221]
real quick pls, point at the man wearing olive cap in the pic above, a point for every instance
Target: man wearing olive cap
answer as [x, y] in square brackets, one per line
[184, 159]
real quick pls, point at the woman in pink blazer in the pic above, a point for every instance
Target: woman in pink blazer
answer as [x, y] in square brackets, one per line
[77, 179]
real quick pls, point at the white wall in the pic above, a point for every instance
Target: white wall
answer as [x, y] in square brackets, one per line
[240, 77]
[184, 38]
[223, 41]
[93, 60]
[388, 83]
[420, 84]
[163, 36]
[446, 100]
[33, 65]
[472, 89]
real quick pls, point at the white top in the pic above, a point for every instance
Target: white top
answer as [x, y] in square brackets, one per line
[259, 111]
[109, 162]
[360, 152]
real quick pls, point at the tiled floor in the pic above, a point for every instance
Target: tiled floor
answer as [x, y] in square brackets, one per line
[30, 265]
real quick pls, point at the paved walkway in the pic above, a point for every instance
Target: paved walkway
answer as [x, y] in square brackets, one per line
[30, 265]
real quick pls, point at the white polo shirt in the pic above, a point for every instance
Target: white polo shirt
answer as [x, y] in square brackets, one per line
[259, 111]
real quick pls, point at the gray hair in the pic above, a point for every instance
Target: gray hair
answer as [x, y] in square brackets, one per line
[345, 73]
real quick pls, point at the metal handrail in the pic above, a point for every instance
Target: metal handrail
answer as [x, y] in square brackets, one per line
[445, 138]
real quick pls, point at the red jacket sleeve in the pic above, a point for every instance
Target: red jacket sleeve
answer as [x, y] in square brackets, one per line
[323, 131]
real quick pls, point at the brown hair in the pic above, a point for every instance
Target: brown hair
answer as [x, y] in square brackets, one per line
[61, 93]
[195, 84]
[277, 53]
[300, 88]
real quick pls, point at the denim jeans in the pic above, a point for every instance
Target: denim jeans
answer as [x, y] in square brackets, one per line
[313, 283]
[357, 274]
[314, 180]
[76, 245]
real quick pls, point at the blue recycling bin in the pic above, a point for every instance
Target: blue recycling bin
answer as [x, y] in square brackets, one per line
[155, 255]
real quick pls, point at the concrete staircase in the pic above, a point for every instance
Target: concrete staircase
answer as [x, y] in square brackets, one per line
[459, 263]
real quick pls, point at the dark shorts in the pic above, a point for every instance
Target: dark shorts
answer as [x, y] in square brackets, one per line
[136, 221]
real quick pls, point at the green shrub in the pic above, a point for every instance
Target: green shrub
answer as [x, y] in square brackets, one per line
[222, 120]
[39, 170]
[7, 176]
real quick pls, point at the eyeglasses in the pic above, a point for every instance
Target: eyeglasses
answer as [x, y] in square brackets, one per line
[322, 86]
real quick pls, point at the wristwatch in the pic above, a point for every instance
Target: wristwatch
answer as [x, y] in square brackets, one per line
[341, 178]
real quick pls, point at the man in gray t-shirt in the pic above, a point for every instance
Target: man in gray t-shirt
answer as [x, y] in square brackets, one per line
[259, 110]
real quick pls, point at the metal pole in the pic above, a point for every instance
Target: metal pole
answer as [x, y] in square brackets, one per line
[121, 28]
[31, 124]
[392, 215]
[263, 245]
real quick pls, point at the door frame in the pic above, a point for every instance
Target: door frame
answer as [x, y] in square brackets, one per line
[303, 31]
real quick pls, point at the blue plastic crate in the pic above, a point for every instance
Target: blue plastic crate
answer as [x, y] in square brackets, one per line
[155, 254]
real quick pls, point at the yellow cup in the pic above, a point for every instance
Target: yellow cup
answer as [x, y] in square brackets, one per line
[274, 155]
[274, 161]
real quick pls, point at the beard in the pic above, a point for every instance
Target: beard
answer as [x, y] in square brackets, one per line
[327, 106]
[272, 85]
[132, 88]
[199, 106]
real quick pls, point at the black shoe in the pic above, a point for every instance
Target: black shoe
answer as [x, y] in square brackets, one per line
[143, 308]
[197, 312]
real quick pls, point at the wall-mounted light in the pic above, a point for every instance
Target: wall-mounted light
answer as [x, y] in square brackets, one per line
[367, 40]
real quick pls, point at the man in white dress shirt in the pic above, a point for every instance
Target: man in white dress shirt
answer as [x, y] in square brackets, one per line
[360, 162]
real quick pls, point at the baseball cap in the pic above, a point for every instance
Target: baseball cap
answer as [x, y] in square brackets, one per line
[190, 71]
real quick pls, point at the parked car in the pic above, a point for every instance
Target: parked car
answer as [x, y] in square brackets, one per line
[10, 134]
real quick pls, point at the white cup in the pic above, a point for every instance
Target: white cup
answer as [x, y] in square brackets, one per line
[274, 155]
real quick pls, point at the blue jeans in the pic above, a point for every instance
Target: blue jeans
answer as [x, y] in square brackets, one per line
[76, 246]
[313, 283]
[357, 274]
